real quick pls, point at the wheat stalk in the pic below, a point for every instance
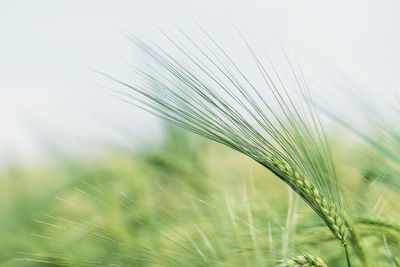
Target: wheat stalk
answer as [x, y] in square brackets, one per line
[206, 93]
[379, 223]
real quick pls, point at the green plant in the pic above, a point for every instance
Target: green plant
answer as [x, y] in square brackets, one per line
[305, 260]
[204, 91]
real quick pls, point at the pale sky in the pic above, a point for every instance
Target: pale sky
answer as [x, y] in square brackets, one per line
[48, 91]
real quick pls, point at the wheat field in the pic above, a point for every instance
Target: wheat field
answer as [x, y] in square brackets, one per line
[247, 174]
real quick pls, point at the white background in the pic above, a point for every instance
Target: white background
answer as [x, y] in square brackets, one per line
[48, 91]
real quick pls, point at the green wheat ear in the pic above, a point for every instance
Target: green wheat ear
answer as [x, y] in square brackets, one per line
[308, 191]
[204, 91]
[305, 260]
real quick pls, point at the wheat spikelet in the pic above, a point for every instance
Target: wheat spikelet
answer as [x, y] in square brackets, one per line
[330, 214]
[305, 260]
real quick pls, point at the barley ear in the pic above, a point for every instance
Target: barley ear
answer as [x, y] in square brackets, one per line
[206, 93]
[308, 191]
[305, 260]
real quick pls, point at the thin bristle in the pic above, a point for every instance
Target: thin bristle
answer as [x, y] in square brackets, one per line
[208, 94]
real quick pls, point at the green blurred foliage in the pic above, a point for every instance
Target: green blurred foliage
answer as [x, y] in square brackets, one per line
[185, 202]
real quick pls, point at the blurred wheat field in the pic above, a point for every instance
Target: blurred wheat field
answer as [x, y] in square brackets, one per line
[185, 202]
[193, 133]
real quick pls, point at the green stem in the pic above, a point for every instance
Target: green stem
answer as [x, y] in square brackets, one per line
[355, 241]
[346, 251]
